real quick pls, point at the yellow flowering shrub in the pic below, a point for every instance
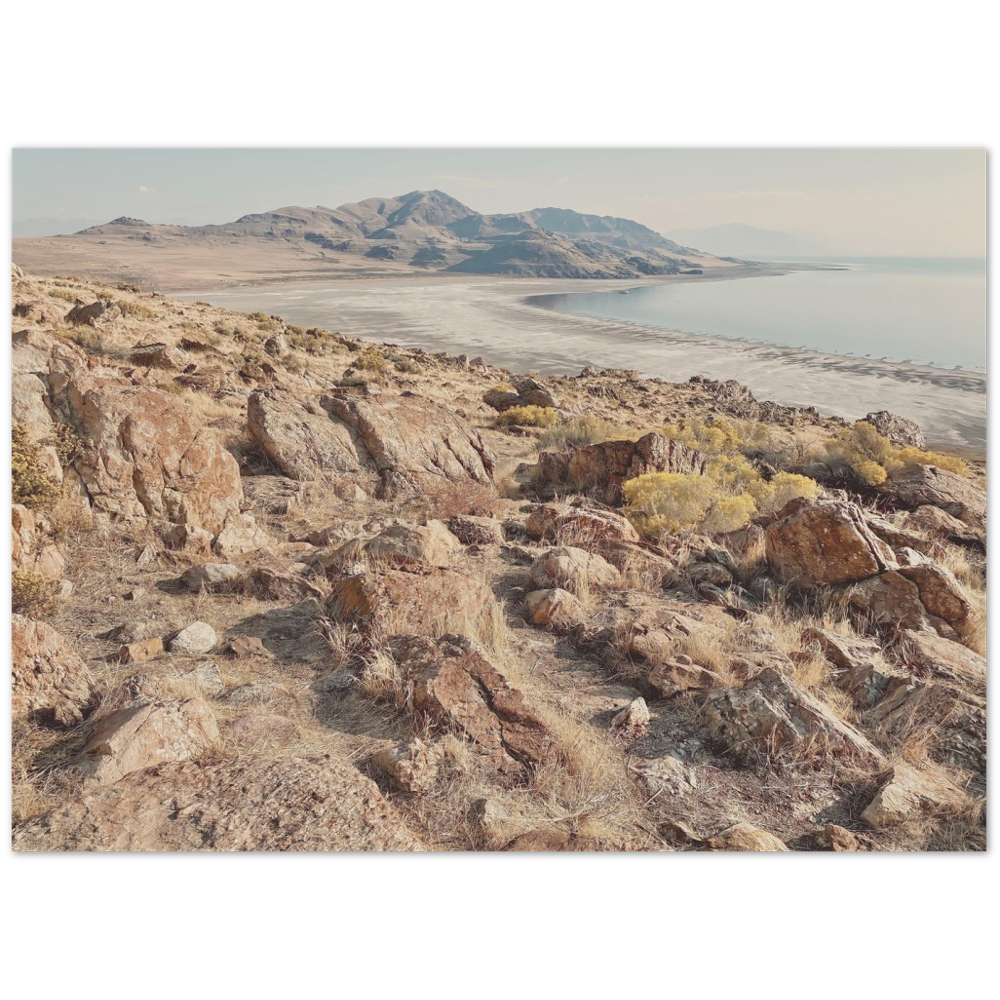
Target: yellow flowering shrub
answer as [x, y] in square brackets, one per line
[527, 416]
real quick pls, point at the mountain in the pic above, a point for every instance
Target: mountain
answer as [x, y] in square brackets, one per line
[736, 239]
[431, 230]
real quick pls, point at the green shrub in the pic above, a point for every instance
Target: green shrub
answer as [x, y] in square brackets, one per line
[527, 416]
[31, 594]
[582, 431]
[29, 483]
[872, 458]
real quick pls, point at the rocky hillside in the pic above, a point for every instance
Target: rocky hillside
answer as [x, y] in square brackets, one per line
[426, 230]
[280, 589]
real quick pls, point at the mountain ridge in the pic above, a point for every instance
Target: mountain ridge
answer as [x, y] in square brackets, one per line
[431, 230]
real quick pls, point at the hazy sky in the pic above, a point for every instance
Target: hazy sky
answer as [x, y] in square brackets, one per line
[875, 201]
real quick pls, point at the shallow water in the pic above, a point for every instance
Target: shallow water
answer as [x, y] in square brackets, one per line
[928, 311]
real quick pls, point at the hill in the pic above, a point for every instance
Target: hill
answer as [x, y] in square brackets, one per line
[278, 589]
[421, 230]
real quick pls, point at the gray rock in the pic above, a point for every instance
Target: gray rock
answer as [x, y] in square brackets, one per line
[197, 638]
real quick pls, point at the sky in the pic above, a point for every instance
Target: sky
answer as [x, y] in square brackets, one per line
[919, 202]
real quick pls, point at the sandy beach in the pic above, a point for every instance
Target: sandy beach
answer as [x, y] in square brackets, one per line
[496, 319]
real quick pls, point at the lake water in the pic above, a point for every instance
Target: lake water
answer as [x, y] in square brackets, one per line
[928, 311]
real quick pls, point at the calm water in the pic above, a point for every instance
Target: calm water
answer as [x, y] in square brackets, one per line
[930, 311]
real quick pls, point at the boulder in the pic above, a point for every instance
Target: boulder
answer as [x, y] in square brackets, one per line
[147, 455]
[240, 535]
[824, 544]
[188, 539]
[158, 356]
[633, 718]
[400, 437]
[87, 315]
[390, 600]
[458, 689]
[50, 683]
[211, 576]
[925, 654]
[771, 711]
[245, 646]
[861, 671]
[554, 608]
[298, 435]
[897, 429]
[744, 837]
[254, 803]
[527, 392]
[600, 470]
[578, 524]
[906, 792]
[927, 485]
[402, 546]
[940, 525]
[270, 585]
[471, 530]
[197, 638]
[673, 677]
[145, 734]
[914, 597]
[836, 838]
[572, 569]
[412, 766]
[33, 549]
[140, 650]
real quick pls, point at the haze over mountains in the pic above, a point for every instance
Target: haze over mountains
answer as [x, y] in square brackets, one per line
[431, 230]
[737, 239]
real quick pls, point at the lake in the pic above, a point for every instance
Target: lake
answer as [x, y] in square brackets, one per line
[928, 311]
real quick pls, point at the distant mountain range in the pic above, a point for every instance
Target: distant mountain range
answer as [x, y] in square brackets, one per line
[433, 231]
[740, 240]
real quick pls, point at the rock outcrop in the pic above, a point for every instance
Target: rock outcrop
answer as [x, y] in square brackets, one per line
[897, 429]
[770, 711]
[600, 470]
[927, 485]
[824, 544]
[572, 569]
[145, 734]
[252, 804]
[50, 683]
[397, 438]
[147, 455]
[457, 688]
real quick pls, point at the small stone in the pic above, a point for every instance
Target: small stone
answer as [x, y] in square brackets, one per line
[634, 716]
[197, 638]
[836, 838]
[744, 837]
[210, 576]
[134, 594]
[188, 538]
[244, 646]
[144, 649]
[411, 767]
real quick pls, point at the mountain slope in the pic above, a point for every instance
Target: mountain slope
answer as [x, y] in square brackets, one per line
[432, 231]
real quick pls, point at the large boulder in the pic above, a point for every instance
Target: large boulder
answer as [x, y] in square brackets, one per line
[256, 803]
[772, 712]
[458, 689]
[579, 524]
[744, 837]
[925, 654]
[824, 544]
[913, 597]
[906, 793]
[527, 392]
[33, 549]
[400, 546]
[897, 429]
[572, 569]
[399, 438]
[147, 733]
[50, 683]
[297, 434]
[927, 485]
[147, 454]
[392, 600]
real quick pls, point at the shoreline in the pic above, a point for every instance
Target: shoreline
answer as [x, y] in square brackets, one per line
[491, 317]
